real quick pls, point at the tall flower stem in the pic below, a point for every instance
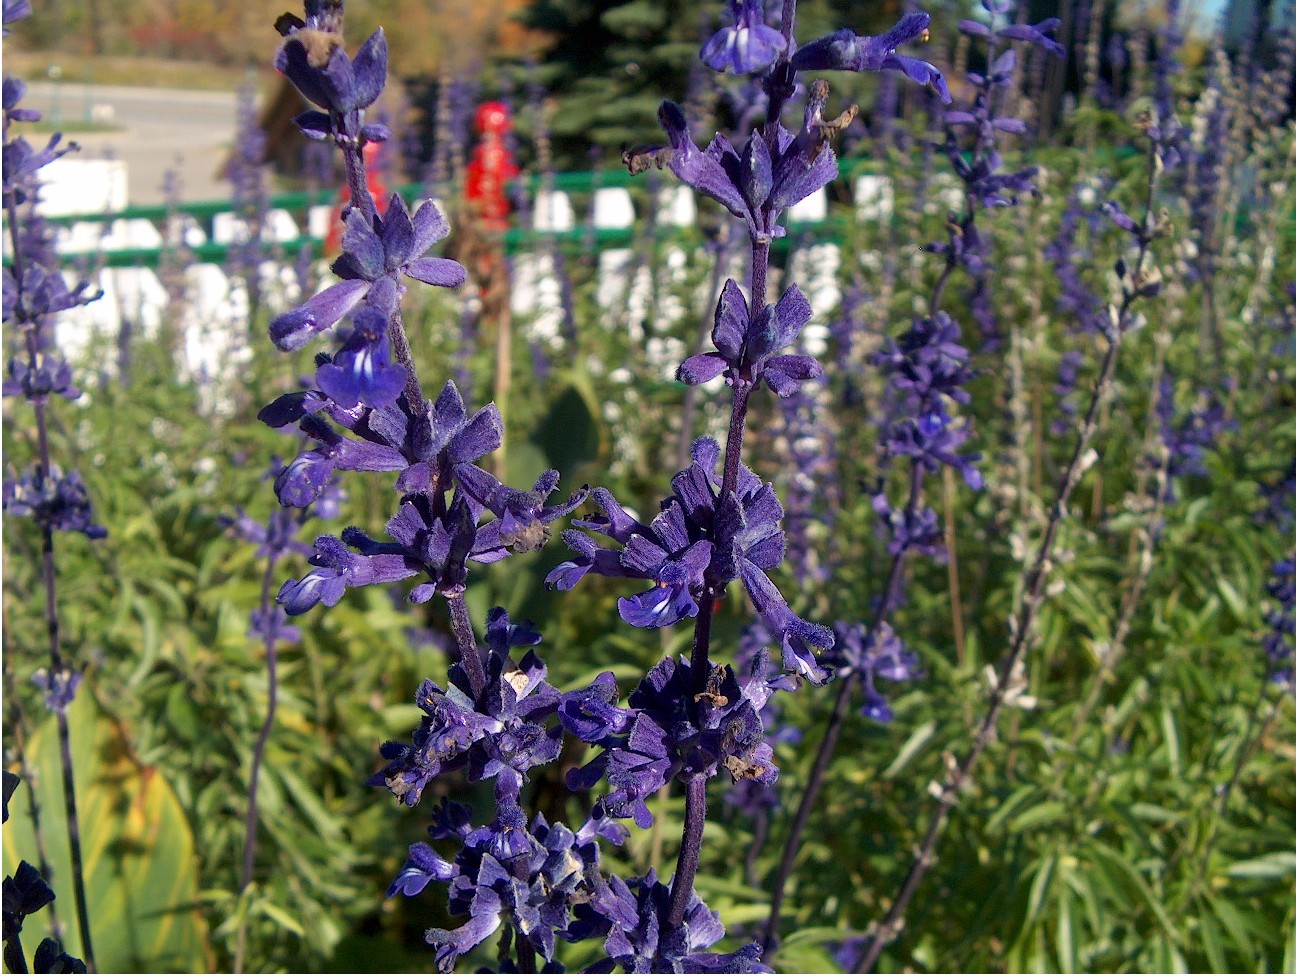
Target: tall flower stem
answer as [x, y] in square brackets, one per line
[1245, 755]
[14, 712]
[465, 640]
[700, 659]
[1024, 620]
[690, 849]
[362, 199]
[1138, 567]
[259, 750]
[833, 730]
[948, 489]
[50, 580]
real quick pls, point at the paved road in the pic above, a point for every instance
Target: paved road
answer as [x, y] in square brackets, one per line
[161, 129]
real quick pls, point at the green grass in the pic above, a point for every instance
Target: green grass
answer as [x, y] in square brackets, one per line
[123, 70]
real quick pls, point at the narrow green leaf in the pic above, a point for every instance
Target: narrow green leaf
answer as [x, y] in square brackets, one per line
[913, 745]
[274, 912]
[1049, 812]
[1065, 936]
[1234, 923]
[1040, 888]
[1210, 937]
[1171, 732]
[1276, 865]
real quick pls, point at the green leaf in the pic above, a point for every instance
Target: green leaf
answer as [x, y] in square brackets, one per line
[1276, 865]
[1234, 923]
[1065, 935]
[273, 911]
[1048, 812]
[1120, 865]
[1210, 937]
[1040, 888]
[1238, 606]
[913, 745]
[572, 434]
[1171, 733]
[819, 934]
[140, 871]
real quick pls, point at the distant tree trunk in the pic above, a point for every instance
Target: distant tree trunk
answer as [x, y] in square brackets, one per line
[95, 32]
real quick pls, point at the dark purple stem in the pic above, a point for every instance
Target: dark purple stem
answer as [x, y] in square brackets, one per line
[357, 184]
[263, 740]
[51, 614]
[832, 731]
[272, 691]
[700, 660]
[1035, 580]
[466, 641]
[357, 179]
[526, 955]
[690, 850]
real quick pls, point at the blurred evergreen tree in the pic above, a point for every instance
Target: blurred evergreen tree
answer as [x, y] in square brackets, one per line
[608, 64]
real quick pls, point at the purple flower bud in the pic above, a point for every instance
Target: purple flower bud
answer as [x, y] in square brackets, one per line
[749, 46]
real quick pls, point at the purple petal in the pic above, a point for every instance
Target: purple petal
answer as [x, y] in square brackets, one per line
[798, 177]
[743, 49]
[659, 607]
[429, 227]
[397, 234]
[698, 169]
[363, 380]
[370, 68]
[314, 125]
[731, 319]
[441, 272]
[700, 369]
[362, 250]
[292, 60]
[293, 329]
[921, 72]
[784, 373]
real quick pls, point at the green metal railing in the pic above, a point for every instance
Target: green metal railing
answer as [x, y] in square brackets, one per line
[836, 228]
[298, 204]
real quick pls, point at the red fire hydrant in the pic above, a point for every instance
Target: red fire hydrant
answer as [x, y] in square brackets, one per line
[491, 167]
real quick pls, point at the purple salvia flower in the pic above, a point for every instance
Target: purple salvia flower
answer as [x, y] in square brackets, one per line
[1189, 437]
[668, 733]
[499, 733]
[529, 877]
[314, 60]
[844, 50]
[362, 371]
[760, 182]
[376, 252]
[699, 541]
[1280, 643]
[639, 937]
[60, 688]
[246, 174]
[749, 46]
[882, 656]
[57, 500]
[1065, 388]
[746, 347]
